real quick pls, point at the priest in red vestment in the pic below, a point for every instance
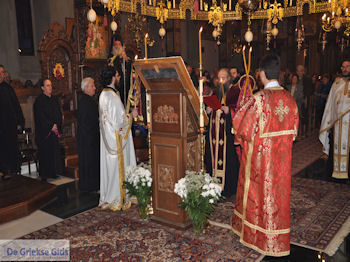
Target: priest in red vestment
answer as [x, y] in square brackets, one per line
[266, 127]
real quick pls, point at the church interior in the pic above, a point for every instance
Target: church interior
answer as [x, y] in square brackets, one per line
[66, 41]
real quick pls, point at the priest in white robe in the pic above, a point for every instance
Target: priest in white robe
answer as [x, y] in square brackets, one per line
[337, 116]
[117, 147]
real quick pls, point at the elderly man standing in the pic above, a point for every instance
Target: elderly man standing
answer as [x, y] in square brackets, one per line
[88, 138]
[48, 130]
[221, 157]
[335, 127]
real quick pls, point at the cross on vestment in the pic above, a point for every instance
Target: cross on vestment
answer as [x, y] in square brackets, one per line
[281, 110]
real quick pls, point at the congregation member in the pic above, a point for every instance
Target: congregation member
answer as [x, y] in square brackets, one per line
[308, 91]
[296, 90]
[265, 127]
[322, 92]
[11, 122]
[48, 130]
[234, 75]
[221, 157]
[335, 128]
[117, 147]
[88, 138]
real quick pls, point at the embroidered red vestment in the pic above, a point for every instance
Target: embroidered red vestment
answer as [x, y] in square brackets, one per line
[265, 127]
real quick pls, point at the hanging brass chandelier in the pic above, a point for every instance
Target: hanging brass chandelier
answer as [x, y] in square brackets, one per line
[337, 17]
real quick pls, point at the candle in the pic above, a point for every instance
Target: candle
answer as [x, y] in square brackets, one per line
[230, 5]
[201, 116]
[244, 60]
[148, 110]
[223, 100]
[205, 7]
[169, 4]
[200, 50]
[201, 5]
[146, 36]
[225, 7]
[249, 58]
[174, 4]
[150, 2]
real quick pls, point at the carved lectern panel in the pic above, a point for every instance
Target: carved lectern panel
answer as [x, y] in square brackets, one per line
[166, 178]
[166, 113]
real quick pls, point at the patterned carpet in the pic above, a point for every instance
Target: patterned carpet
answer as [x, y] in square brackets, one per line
[305, 152]
[98, 235]
[320, 214]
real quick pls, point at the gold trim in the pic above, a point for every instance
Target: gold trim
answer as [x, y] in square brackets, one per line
[279, 133]
[330, 126]
[265, 231]
[340, 175]
[277, 254]
[121, 168]
[247, 179]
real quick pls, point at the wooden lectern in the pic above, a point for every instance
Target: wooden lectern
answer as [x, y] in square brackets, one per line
[174, 127]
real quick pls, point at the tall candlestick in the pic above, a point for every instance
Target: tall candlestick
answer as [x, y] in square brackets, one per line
[146, 37]
[201, 104]
[201, 116]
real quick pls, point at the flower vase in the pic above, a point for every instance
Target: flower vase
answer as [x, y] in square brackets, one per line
[143, 212]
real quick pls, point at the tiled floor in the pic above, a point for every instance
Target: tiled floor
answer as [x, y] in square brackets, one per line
[70, 202]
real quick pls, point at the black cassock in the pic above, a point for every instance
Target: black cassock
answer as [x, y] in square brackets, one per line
[11, 116]
[47, 112]
[88, 144]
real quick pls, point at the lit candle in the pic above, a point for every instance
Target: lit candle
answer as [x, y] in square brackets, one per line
[200, 49]
[230, 5]
[201, 5]
[174, 4]
[249, 58]
[169, 4]
[146, 36]
[244, 60]
[205, 7]
[150, 2]
[225, 7]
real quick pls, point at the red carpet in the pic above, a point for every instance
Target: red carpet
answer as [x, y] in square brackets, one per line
[98, 235]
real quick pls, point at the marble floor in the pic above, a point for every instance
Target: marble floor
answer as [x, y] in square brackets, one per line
[70, 202]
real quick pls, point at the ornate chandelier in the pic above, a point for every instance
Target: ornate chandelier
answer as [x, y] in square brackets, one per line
[337, 17]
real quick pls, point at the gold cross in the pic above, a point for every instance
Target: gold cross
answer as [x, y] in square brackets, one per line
[280, 110]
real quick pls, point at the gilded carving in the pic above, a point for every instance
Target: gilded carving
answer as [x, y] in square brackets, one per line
[189, 125]
[166, 178]
[166, 115]
[191, 150]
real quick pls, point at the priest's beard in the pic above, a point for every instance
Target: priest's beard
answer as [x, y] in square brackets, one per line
[117, 51]
[346, 76]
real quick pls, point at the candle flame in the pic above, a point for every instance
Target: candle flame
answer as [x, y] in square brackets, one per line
[146, 36]
[201, 29]
[251, 49]
[243, 49]
[136, 57]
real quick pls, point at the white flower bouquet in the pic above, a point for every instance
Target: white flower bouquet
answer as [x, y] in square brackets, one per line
[199, 193]
[138, 182]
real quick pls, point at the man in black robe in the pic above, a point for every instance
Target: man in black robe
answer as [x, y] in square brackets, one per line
[88, 138]
[11, 122]
[122, 63]
[48, 130]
